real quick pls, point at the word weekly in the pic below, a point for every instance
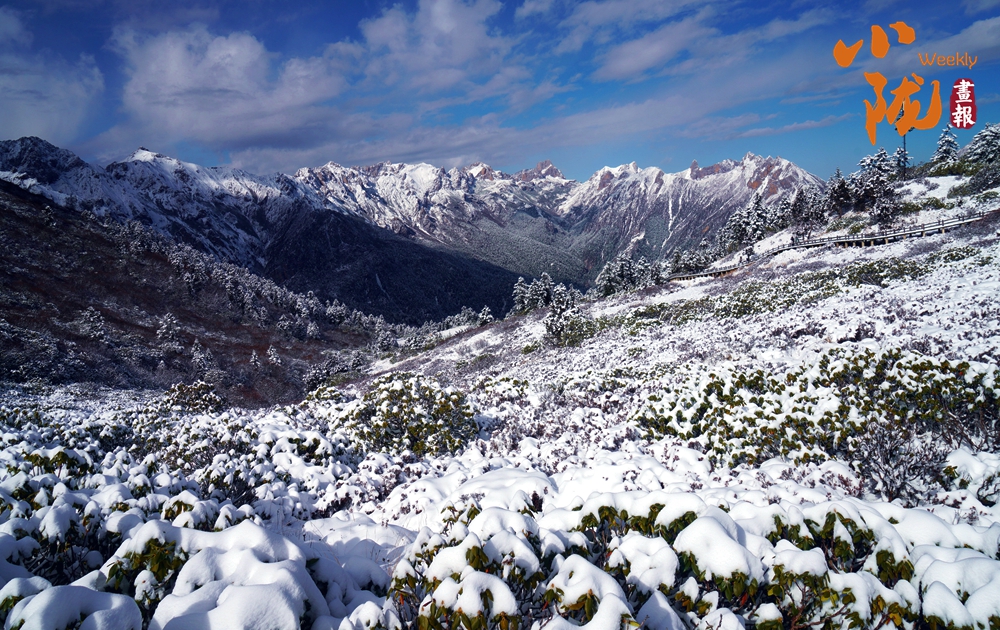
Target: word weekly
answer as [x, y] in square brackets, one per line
[929, 59]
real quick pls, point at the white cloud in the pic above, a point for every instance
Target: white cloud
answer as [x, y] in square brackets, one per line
[596, 20]
[533, 7]
[799, 126]
[706, 46]
[446, 44]
[42, 94]
[230, 93]
[12, 31]
[652, 50]
[221, 90]
[977, 6]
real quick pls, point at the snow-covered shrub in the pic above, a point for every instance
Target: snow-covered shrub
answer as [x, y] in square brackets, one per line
[63, 606]
[757, 297]
[670, 558]
[246, 576]
[411, 412]
[199, 397]
[866, 407]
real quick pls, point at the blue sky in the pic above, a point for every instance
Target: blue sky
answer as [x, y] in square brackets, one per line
[280, 85]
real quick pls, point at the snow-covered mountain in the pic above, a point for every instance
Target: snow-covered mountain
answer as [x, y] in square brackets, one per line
[527, 223]
[275, 226]
[222, 211]
[537, 220]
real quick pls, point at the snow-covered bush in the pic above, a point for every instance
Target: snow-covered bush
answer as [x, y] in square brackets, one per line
[671, 560]
[405, 412]
[866, 407]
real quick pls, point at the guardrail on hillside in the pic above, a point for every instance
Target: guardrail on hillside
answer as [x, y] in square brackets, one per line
[859, 240]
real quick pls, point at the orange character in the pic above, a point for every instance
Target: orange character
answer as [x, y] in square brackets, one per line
[904, 110]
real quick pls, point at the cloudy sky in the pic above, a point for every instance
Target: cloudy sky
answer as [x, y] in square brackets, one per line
[276, 85]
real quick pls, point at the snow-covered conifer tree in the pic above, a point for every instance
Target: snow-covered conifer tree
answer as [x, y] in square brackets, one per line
[805, 212]
[985, 146]
[618, 275]
[947, 147]
[272, 356]
[540, 292]
[838, 198]
[779, 215]
[485, 316]
[745, 225]
[902, 160]
[871, 185]
[521, 296]
[201, 358]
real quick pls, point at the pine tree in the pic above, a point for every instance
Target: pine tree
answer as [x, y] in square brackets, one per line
[902, 160]
[521, 296]
[201, 358]
[779, 216]
[565, 322]
[169, 330]
[879, 163]
[485, 316]
[540, 292]
[807, 211]
[870, 186]
[756, 226]
[745, 225]
[838, 198]
[272, 356]
[885, 210]
[675, 262]
[618, 275]
[947, 148]
[336, 313]
[642, 273]
[985, 146]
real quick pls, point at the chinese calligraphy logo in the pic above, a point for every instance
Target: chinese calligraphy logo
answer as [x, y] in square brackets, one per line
[904, 110]
[963, 104]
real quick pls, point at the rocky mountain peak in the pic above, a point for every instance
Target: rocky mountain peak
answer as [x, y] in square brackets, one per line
[142, 154]
[542, 170]
[484, 172]
[38, 158]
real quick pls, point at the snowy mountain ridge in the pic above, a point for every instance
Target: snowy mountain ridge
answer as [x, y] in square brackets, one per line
[617, 209]
[528, 222]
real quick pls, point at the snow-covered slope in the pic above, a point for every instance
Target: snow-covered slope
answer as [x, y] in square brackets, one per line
[811, 441]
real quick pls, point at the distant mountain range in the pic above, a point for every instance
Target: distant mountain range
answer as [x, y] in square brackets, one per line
[409, 241]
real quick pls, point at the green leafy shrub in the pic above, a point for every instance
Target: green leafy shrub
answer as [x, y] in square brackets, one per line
[933, 203]
[864, 407]
[410, 412]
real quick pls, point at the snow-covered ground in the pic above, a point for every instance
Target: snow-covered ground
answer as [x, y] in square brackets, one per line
[812, 440]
